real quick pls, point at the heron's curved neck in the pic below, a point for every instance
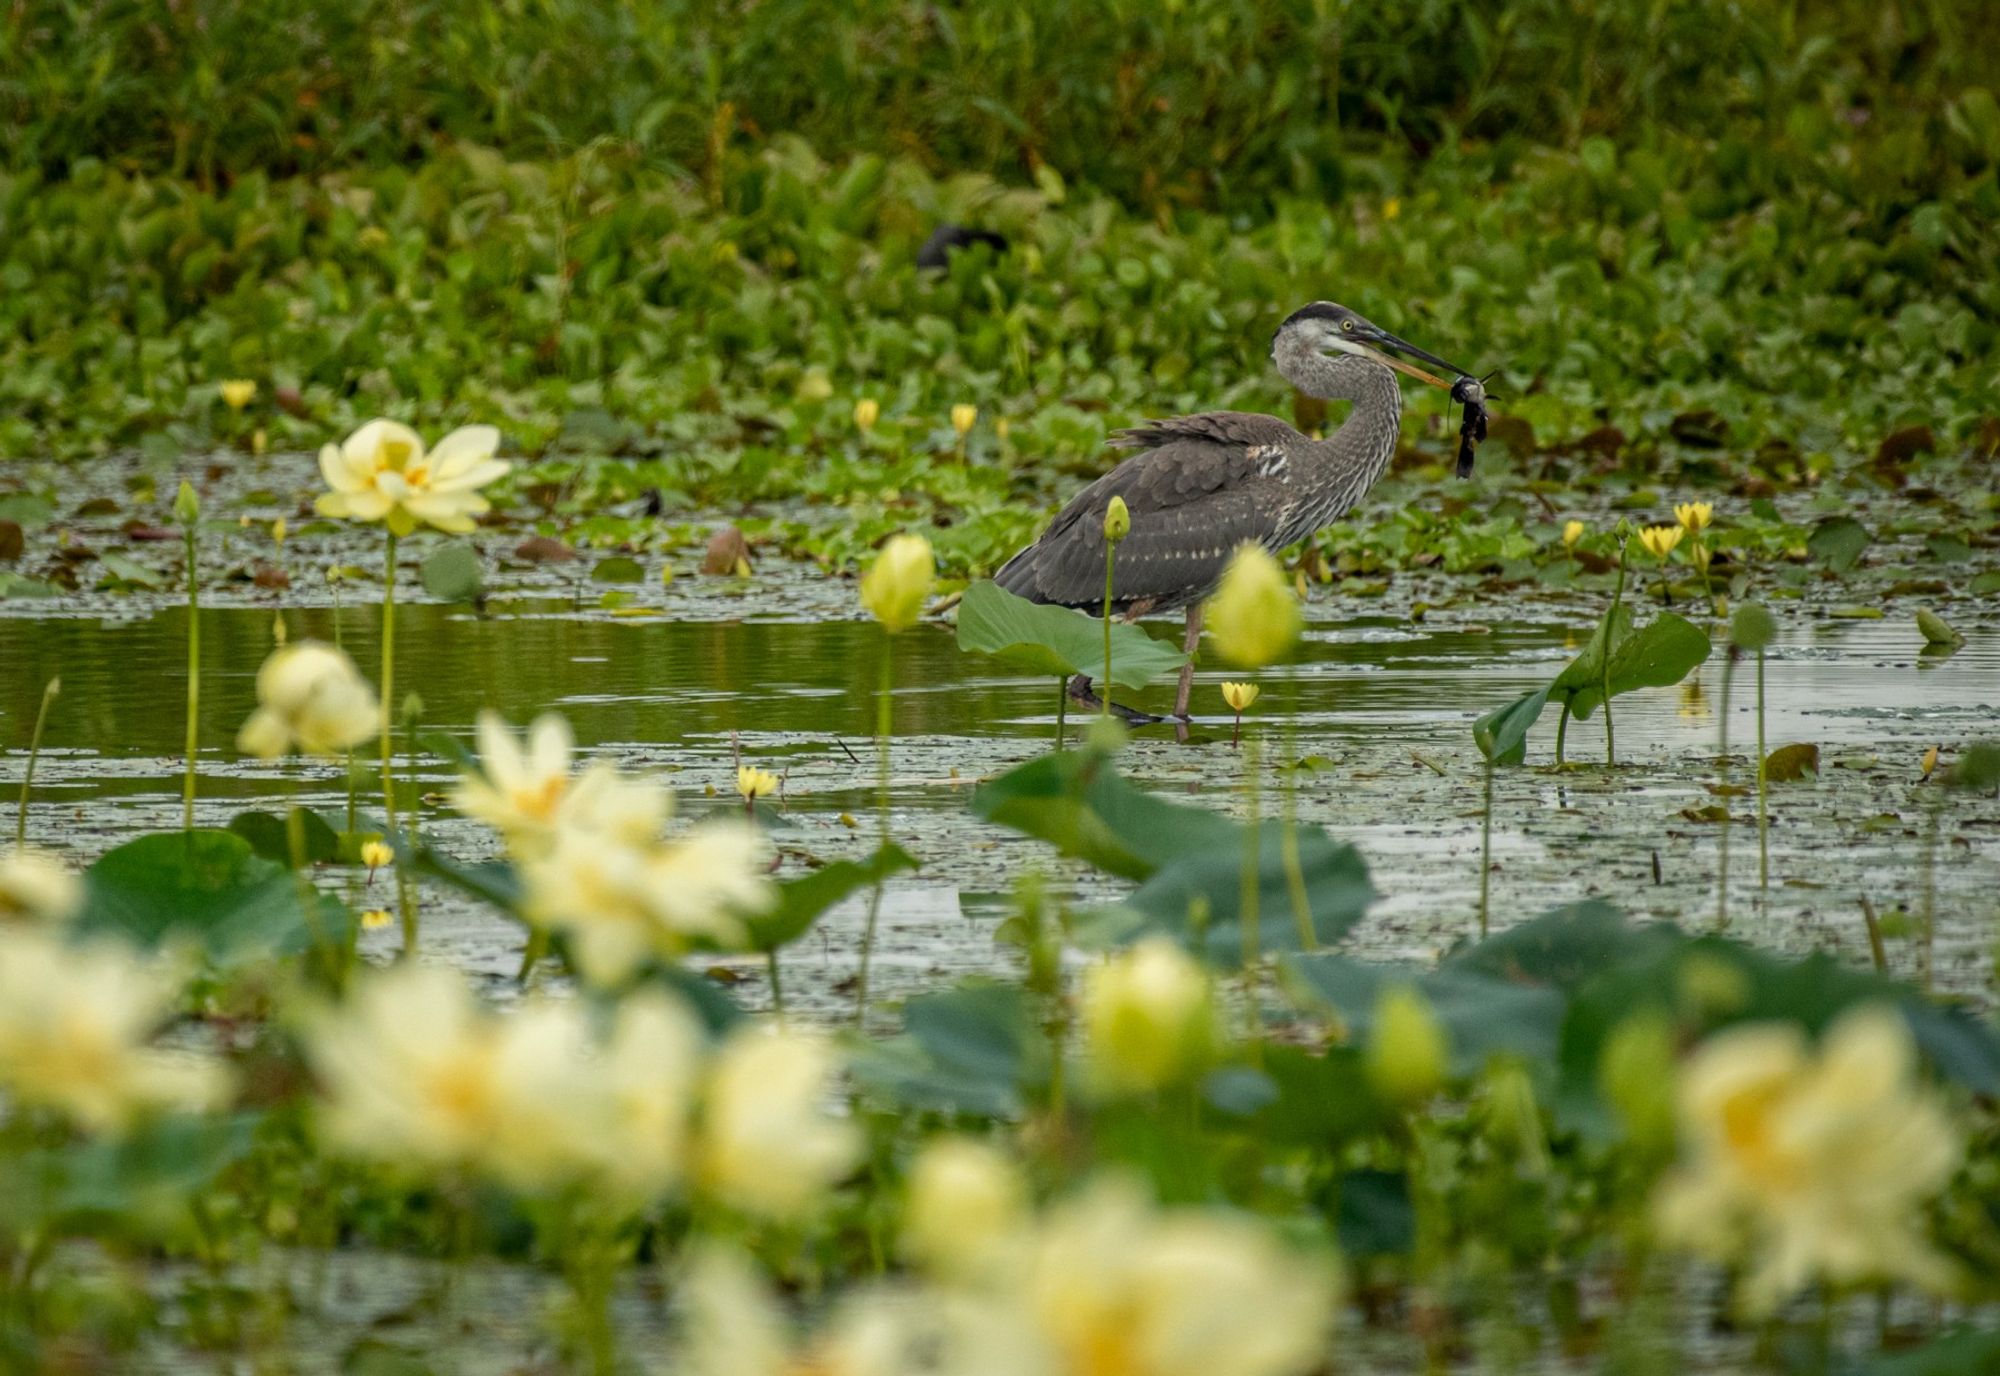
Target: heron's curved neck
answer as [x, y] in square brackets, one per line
[1355, 454]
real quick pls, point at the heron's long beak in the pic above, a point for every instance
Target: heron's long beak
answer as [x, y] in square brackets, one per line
[1382, 339]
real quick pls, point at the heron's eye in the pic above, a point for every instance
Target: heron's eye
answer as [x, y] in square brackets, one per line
[1347, 325]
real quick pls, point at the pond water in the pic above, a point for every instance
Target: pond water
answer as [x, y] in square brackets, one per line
[1383, 710]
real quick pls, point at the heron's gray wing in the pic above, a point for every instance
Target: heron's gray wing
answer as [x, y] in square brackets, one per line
[1192, 495]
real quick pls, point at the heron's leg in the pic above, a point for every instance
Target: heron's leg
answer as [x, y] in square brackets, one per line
[1189, 644]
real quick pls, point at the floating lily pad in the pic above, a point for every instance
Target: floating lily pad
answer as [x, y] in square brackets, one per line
[1057, 641]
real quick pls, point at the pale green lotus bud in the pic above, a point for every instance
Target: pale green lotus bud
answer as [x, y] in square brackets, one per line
[187, 506]
[1753, 627]
[1408, 1052]
[1117, 520]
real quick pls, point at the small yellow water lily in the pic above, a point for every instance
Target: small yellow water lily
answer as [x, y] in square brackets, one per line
[866, 412]
[36, 887]
[1808, 1163]
[311, 696]
[963, 417]
[279, 530]
[1239, 696]
[1660, 541]
[373, 919]
[1253, 617]
[753, 783]
[382, 473]
[1694, 516]
[896, 584]
[238, 392]
[376, 854]
[1572, 532]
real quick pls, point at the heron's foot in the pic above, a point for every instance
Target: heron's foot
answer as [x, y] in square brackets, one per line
[1080, 693]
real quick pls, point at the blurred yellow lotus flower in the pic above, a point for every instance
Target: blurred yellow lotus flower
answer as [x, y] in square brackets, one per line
[520, 788]
[376, 854]
[35, 887]
[381, 473]
[309, 696]
[753, 783]
[238, 393]
[766, 1144]
[866, 412]
[1253, 617]
[967, 1201]
[815, 385]
[374, 919]
[1240, 696]
[1661, 540]
[1113, 1285]
[896, 585]
[735, 1326]
[1148, 1017]
[620, 901]
[74, 1023]
[645, 1083]
[278, 532]
[1408, 1051]
[1804, 1164]
[1572, 532]
[1117, 520]
[963, 417]
[1694, 516]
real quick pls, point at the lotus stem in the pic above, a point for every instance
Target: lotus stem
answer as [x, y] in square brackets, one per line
[1728, 821]
[1062, 708]
[49, 692]
[1295, 878]
[1251, 886]
[1486, 846]
[193, 680]
[1604, 667]
[1562, 732]
[882, 724]
[1763, 788]
[1110, 559]
[777, 984]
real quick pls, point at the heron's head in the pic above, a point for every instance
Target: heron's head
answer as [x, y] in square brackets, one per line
[1328, 330]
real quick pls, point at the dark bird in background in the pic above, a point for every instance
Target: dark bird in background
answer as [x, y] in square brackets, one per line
[1202, 485]
[937, 250]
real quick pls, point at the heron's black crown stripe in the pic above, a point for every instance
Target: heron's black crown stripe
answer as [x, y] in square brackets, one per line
[1318, 310]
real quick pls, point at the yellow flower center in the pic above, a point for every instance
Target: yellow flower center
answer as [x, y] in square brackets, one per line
[1109, 1348]
[1746, 1128]
[462, 1088]
[540, 801]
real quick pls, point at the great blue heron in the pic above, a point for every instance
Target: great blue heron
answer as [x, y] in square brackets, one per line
[1203, 485]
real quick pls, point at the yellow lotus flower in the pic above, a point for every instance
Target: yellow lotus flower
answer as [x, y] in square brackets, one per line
[766, 1144]
[376, 854]
[1408, 1052]
[35, 887]
[309, 695]
[278, 532]
[735, 1326]
[1239, 696]
[1113, 1285]
[374, 919]
[896, 585]
[1572, 532]
[619, 901]
[963, 417]
[1253, 617]
[1661, 540]
[237, 393]
[520, 789]
[1804, 1164]
[1117, 520]
[1694, 516]
[967, 1202]
[381, 473]
[866, 412]
[645, 1083]
[1148, 1018]
[753, 783]
[74, 1023]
